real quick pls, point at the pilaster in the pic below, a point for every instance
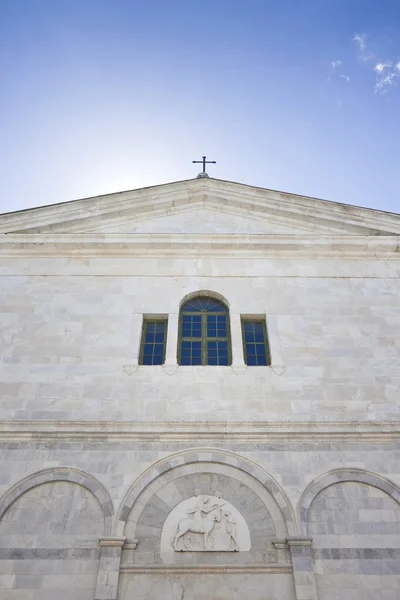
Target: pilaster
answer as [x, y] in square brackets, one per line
[303, 570]
[172, 341]
[237, 343]
[108, 575]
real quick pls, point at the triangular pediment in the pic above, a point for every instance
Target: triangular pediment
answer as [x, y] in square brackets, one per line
[202, 206]
[197, 220]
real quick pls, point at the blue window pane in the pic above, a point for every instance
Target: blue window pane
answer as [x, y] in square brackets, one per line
[154, 342]
[251, 348]
[223, 352]
[251, 360]
[203, 304]
[191, 326]
[210, 323]
[216, 326]
[191, 353]
[255, 343]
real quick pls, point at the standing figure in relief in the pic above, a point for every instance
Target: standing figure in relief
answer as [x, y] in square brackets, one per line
[230, 527]
[203, 505]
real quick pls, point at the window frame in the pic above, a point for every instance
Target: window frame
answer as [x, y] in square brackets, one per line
[153, 319]
[263, 321]
[204, 337]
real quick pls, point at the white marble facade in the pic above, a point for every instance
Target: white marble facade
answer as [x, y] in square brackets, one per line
[128, 482]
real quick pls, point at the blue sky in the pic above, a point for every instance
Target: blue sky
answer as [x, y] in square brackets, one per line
[99, 96]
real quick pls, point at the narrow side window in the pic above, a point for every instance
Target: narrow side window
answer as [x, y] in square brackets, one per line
[255, 342]
[154, 341]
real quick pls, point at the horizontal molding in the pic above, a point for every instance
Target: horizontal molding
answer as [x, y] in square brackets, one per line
[49, 553]
[216, 245]
[200, 431]
[210, 569]
[357, 554]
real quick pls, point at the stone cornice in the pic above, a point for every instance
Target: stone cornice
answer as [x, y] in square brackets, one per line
[89, 214]
[207, 431]
[207, 569]
[183, 245]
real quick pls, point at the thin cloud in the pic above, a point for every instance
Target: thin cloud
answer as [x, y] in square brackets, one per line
[383, 83]
[360, 39]
[387, 73]
[335, 64]
[386, 76]
[380, 67]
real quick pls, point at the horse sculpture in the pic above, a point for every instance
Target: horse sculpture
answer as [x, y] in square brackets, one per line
[205, 525]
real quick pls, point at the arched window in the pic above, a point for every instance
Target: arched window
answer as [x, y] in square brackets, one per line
[204, 332]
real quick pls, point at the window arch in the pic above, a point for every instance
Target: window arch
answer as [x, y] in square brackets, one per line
[204, 336]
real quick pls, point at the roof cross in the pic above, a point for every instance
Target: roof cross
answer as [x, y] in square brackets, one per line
[204, 162]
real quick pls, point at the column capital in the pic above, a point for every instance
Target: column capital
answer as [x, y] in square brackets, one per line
[299, 541]
[131, 544]
[112, 541]
[280, 544]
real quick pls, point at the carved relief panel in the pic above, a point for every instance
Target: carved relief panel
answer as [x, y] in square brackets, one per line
[205, 523]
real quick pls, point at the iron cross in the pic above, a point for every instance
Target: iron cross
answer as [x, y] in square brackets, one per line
[204, 161]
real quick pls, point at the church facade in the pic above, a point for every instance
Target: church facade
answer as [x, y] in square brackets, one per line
[200, 397]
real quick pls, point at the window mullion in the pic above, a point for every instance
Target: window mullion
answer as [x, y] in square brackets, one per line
[204, 339]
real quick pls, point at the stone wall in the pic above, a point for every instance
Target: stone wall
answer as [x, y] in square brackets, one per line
[356, 542]
[96, 451]
[49, 544]
[71, 336]
[315, 528]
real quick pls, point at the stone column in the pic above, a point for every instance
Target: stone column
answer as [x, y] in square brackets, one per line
[108, 575]
[237, 342]
[172, 341]
[303, 570]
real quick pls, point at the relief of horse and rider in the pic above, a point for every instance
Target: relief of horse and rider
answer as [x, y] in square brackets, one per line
[211, 518]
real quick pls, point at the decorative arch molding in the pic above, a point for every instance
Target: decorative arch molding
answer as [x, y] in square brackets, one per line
[209, 293]
[189, 461]
[339, 476]
[61, 474]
